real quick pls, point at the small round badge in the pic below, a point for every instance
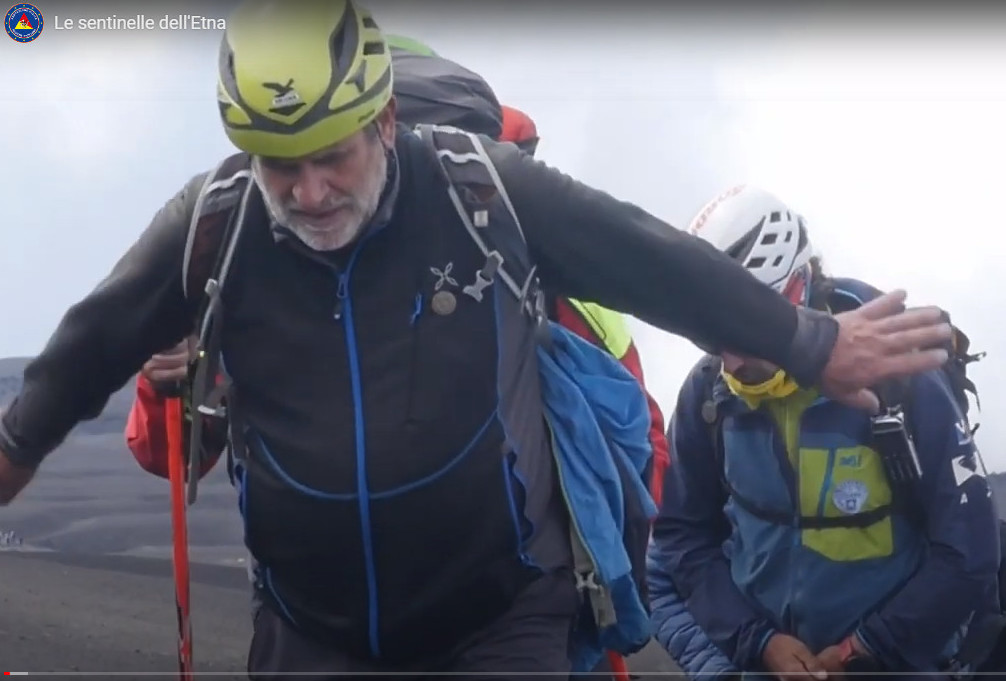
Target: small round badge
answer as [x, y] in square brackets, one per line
[850, 496]
[444, 302]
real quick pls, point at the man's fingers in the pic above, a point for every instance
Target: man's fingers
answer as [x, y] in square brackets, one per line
[915, 339]
[159, 369]
[884, 305]
[156, 364]
[910, 319]
[812, 664]
[181, 351]
[864, 399]
[172, 356]
[910, 363]
[797, 670]
[167, 375]
[182, 346]
[167, 361]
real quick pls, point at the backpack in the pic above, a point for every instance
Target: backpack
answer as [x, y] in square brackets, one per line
[430, 88]
[986, 638]
[614, 616]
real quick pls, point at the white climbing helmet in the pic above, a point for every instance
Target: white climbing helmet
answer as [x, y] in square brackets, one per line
[758, 230]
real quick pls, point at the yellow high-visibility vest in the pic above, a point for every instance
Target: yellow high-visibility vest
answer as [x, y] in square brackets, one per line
[608, 325]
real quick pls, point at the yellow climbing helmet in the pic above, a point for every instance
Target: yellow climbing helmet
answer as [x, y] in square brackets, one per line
[296, 77]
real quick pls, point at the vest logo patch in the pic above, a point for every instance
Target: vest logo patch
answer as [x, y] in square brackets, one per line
[850, 496]
[444, 276]
[851, 460]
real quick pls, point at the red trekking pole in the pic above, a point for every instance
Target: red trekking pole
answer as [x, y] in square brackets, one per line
[619, 670]
[175, 422]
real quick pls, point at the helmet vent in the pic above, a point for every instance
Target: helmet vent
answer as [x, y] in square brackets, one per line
[343, 43]
[373, 47]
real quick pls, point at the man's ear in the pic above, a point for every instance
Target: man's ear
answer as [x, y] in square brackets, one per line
[386, 123]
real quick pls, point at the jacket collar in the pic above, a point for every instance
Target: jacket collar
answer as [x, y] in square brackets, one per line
[726, 400]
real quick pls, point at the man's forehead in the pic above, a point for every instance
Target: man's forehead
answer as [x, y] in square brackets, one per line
[338, 147]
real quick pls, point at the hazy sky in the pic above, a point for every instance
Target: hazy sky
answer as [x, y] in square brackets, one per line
[886, 133]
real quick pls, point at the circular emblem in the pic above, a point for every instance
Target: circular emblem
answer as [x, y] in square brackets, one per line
[850, 496]
[444, 302]
[23, 22]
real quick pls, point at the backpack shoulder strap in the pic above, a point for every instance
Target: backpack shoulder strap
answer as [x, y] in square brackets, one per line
[220, 195]
[712, 416]
[217, 221]
[485, 209]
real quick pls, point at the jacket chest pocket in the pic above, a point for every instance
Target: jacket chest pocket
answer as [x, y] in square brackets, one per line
[453, 353]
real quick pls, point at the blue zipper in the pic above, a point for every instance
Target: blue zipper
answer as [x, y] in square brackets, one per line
[344, 312]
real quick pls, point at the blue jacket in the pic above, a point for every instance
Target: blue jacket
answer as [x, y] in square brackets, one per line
[907, 583]
[600, 422]
[680, 635]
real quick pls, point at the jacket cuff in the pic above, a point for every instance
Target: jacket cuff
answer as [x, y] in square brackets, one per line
[751, 645]
[810, 350]
[863, 635]
[16, 453]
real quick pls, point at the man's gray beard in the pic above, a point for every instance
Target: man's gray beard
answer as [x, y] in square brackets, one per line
[331, 239]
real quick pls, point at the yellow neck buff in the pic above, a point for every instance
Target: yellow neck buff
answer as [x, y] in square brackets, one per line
[778, 386]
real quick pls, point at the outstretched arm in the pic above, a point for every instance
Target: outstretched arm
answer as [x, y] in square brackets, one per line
[591, 246]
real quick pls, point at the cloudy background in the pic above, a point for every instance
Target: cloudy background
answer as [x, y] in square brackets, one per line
[886, 132]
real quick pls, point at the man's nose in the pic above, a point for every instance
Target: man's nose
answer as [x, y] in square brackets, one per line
[311, 189]
[731, 362]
